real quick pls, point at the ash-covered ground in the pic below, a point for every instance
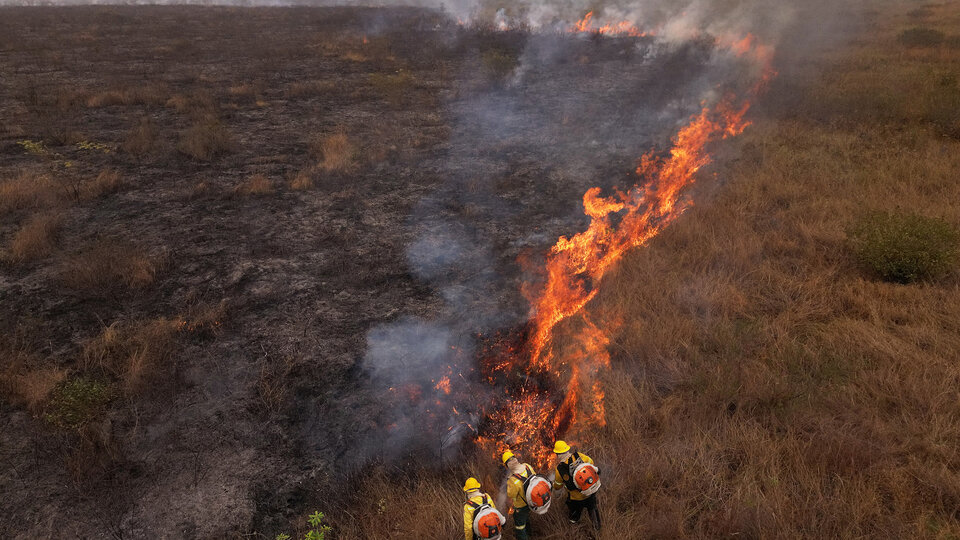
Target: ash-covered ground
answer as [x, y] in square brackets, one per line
[466, 148]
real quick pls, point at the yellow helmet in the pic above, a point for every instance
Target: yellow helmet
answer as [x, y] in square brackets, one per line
[471, 484]
[506, 456]
[561, 447]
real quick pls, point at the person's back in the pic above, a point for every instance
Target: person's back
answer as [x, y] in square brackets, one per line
[476, 500]
[567, 461]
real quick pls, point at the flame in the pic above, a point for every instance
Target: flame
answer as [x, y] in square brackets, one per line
[546, 383]
[621, 28]
[444, 385]
[574, 269]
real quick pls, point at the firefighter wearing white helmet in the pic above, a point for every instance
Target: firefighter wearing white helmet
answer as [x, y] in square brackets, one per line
[481, 519]
[577, 472]
[527, 491]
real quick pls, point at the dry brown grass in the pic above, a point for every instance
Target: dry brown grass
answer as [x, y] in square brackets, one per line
[307, 89]
[205, 140]
[107, 265]
[107, 182]
[256, 185]
[28, 190]
[336, 152]
[24, 380]
[302, 181]
[135, 354]
[763, 386]
[142, 140]
[137, 95]
[36, 238]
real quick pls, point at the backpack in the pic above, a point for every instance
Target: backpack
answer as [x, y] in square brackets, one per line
[537, 491]
[487, 521]
[580, 476]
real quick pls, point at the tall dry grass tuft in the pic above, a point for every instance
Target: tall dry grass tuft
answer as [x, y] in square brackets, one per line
[142, 140]
[134, 95]
[108, 265]
[28, 190]
[336, 152]
[24, 380]
[136, 354]
[36, 238]
[256, 185]
[206, 140]
[106, 182]
[302, 181]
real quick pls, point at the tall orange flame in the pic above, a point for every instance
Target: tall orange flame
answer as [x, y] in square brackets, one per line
[620, 28]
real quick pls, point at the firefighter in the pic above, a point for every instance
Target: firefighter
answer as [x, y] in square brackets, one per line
[479, 507]
[582, 487]
[518, 474]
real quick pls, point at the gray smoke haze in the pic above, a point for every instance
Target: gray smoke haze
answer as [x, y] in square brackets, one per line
[557, 127]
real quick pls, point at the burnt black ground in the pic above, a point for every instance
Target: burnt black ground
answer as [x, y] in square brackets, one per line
[304, 274]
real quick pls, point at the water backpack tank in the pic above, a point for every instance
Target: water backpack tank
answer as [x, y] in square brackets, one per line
[487, 521]
[586, 477]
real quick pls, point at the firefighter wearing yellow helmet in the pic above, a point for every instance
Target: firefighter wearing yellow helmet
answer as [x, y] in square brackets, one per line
[577, 472]
[527, 491]
[481, 519]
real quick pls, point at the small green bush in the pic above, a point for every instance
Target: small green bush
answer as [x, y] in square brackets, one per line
[317, 530]
[499, 63]
[921, 37]
[904, 248]
[75, 402]
[394, 87]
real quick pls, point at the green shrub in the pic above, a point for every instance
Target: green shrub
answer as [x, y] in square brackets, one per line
[394, 87]
[499, 63]
[921, 37]
[75, 402]
[317, 530]
[903, 248]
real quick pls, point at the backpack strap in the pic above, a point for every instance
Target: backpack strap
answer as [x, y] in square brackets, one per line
[475, 505]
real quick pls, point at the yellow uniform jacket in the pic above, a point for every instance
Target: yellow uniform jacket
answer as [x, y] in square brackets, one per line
[468, 513]
[515, 487]
[560, 480]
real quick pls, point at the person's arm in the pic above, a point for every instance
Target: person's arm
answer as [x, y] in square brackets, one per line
[557, 479]
[512, 489]
[467, 522]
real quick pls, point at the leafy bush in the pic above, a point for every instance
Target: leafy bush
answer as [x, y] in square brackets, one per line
[76, 402]
[317, 530]
[394, 87]
[903, 248]
[499, 63]
[921, 37]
